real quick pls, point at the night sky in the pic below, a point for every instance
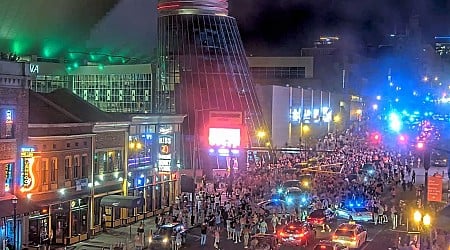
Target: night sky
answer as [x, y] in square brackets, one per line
[282, 27]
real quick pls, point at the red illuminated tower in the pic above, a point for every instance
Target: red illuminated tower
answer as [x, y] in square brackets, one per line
[203, 68]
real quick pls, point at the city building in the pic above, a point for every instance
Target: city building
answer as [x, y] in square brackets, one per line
[202, 69]
[296, 115]
[73, 167]
[14, 80]
[442, 46]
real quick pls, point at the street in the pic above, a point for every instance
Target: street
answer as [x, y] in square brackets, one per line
[379, 237]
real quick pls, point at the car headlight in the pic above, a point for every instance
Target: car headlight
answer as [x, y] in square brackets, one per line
[289, 200]
[165, 240]
[150, 240]
[306, 184]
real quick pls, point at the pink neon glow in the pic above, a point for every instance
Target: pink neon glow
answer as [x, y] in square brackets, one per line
[225, 137]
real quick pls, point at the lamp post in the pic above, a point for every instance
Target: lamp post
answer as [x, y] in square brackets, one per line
[14, 203]
[422, 220]
[304, 130]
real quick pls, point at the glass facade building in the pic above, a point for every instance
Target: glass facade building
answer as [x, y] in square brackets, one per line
[203, 66]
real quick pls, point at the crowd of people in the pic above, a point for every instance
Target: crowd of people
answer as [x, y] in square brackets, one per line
[230, 209]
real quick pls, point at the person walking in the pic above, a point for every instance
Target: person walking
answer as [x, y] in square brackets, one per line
[216, 239]
[262, 226]
[203, 233]
[238, 232]
[394, 217]
[275, 222]
[246, 235]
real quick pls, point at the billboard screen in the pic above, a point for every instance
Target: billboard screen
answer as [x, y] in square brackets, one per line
[225, 137]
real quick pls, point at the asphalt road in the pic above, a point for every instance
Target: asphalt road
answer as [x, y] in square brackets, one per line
[380, 237]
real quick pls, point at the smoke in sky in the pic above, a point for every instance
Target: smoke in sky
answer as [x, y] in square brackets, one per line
[284, 26]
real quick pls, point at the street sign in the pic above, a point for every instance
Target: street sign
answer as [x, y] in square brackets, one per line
[434, 188]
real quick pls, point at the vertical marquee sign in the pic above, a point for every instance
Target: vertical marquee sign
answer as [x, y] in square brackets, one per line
[165, 142]
[27, 177]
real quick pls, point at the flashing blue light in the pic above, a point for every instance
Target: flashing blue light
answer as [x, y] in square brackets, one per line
[350, 205]
[427, 98]
[289, 200]
[411, 119]
[280, 190]
[395, 122]
[303, 199]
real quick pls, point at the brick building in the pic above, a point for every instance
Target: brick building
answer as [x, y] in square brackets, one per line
[14, 81]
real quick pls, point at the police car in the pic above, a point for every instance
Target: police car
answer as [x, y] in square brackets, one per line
[354, 210]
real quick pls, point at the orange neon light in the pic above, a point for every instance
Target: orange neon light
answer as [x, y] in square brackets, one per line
[32, 183]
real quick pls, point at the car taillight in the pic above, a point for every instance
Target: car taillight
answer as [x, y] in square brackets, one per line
[282, 234]
[301, 235]
[334, 237]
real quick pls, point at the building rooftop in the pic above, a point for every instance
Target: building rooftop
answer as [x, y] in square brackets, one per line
[62, 106]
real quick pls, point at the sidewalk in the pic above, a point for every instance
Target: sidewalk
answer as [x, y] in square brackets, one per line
[114, 236]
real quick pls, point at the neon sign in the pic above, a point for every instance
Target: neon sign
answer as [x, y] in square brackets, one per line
[34, 68]
[165, 155]
[27, 161]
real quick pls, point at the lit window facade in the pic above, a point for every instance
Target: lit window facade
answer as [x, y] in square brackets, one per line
[278, 72]
[129, 93]
[49, 83]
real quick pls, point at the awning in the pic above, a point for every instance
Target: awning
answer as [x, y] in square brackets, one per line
[23, 207]
[122, 201]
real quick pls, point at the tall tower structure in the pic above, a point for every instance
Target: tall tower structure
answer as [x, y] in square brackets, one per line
[203, 67]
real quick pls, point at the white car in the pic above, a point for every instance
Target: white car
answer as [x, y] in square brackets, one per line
[351, 235]
[356, 213]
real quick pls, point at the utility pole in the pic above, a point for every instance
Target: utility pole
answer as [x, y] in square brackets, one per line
[426, 166]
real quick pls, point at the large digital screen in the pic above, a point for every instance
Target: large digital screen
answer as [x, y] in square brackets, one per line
[224, 137]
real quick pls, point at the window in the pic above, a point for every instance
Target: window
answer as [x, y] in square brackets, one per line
[76, 167]
[44, 171]
[6, 123]
[96, 163]
[54, 171]
[84, 166]
[67, 168]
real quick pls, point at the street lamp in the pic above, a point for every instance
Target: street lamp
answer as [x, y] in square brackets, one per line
[304, 129]
[14, 203]
[260, 134]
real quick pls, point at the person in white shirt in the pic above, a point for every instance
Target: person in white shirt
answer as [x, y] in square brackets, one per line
[275, 222]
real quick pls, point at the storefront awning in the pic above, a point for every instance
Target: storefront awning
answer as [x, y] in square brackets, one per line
[122, 201]
[24, 206]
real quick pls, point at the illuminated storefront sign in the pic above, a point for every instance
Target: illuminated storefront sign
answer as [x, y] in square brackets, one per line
[28, 178]
[34, 68]
[315, 115]
[8, 176]
[165, 153]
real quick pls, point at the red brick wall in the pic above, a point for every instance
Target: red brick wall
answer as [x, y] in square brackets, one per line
[110, 140]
